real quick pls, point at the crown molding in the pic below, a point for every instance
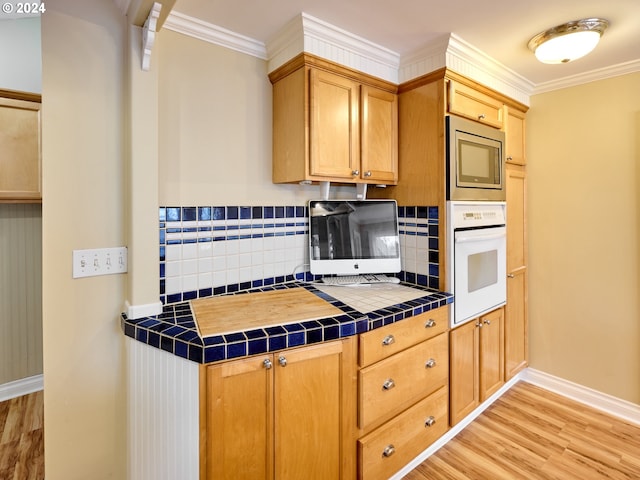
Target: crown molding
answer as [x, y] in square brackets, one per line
[588, 77]
[305, 33]
[308, 34]
[211, 33]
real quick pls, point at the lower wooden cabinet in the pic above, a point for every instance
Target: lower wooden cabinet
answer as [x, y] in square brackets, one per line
[288, 415]
[477, 363]
[389, 448]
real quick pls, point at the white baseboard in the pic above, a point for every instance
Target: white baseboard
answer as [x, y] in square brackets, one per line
[601, 401]
[24, 386]
[141, 311]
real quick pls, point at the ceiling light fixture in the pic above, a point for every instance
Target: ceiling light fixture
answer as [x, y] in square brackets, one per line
[568, 41]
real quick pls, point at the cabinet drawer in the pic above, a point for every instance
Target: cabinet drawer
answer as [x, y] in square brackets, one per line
[468, 102]
[391, 385]
[385, 341]
[389, 448]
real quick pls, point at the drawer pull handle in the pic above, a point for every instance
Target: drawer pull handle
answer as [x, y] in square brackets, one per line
[430, 363]
[389, 384]
[282, 361]
[430, 323]
[482, 116]
[388, 451]
[388, 340]
[430, 422]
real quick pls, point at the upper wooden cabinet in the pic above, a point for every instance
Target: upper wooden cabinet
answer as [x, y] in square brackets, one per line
[514, 131]
[20, 162]
[468, 102]
[331, 123]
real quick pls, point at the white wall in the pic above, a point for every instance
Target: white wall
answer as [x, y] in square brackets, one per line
[583, 154]
[20, 55]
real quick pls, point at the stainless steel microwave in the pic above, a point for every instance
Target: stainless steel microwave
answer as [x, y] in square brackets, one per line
[475, 161]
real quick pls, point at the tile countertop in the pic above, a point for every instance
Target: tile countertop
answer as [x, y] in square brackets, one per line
[175, 331]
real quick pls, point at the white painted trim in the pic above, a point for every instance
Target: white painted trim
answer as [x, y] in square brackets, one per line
[141, 311]
[588, 77]
[207, 32]
[601, 401]
[457, 428]
[21, 387]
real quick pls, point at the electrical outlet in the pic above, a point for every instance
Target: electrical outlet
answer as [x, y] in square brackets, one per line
[99, 261]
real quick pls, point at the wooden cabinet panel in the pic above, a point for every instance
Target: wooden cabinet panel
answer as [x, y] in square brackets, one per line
[470, 103]
[386, 341]
[308, 413]
[281, 416]
[393, 384]
[515, 139]
[20, 162]
[477, 363]
[379, 140]
[239, 420]
[516, 218]
[390, 447]
[464, 380]
[491, 353]
[516, 351]
[334, 125]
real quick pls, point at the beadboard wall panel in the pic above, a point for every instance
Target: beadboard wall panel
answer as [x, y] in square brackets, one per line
[163, 415]
[20, 291]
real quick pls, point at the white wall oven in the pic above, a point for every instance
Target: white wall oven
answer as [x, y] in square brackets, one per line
[477, 258]
[475, 166]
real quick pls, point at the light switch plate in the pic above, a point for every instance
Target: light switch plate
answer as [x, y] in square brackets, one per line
[99, 261]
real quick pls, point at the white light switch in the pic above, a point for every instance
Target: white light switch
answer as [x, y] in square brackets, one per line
[99, 261]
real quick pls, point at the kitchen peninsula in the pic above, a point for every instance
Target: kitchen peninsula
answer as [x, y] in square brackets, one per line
[328, 393]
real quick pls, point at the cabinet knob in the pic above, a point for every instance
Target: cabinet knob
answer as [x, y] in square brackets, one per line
[482, 116]
[430, 323]
[388, 340]
[430, 422]
[510, 275]
[430, 363]
[367, 173]
[479, 324]
[388, 451]
[388, 384]
[509, 158]
[267, 364]
[488, 322]
[282, 361]
[355, 173]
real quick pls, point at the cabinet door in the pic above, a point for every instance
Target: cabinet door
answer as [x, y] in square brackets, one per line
[20, 164]
[334, 126]
[470, 103]
[515, 327]
[308, 412]
[516, 218]
[514, 130]
[379, 120]
[239, 420]
[491, 353]
[464, 371]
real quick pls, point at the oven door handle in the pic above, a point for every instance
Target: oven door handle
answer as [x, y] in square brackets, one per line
[479, 238]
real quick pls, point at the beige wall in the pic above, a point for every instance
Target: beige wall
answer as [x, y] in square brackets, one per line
[83, 187]
[584, 222]
[215, 128]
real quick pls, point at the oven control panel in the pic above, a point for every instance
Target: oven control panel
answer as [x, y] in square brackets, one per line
[477, 214]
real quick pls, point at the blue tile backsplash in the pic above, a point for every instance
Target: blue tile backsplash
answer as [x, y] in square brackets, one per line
[212, 250]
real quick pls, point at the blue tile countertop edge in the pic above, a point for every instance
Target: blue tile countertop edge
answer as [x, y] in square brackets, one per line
[175, 331]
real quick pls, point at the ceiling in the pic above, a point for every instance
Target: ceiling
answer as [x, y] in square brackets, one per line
[498, 28]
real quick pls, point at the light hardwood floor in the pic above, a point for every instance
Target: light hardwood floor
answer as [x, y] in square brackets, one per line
[21, 438]
[530, 433]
